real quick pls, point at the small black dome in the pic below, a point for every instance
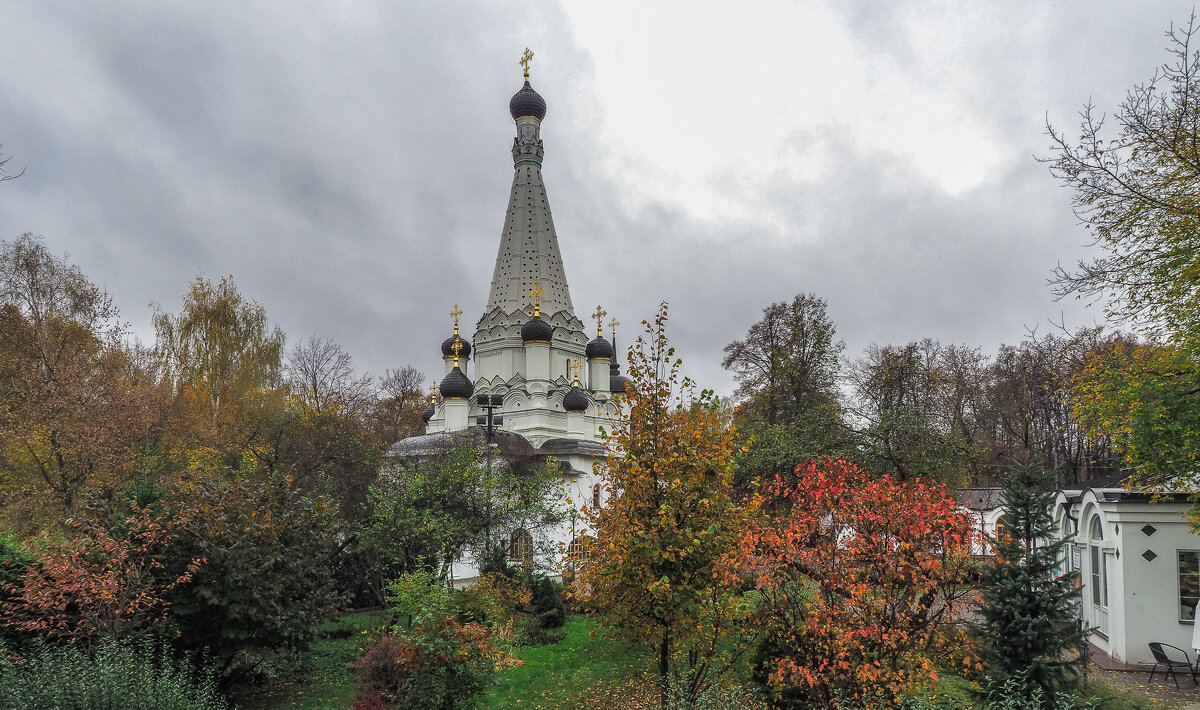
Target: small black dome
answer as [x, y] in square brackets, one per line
[527, 102]
[575, 400]
[617, 382]
[536, 331]
[456, 385]
[427, 414]
[448, 348]
[599, 348]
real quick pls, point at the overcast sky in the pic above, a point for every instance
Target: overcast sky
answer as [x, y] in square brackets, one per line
[348, 162]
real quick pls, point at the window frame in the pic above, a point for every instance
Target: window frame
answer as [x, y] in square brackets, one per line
[1182, 608]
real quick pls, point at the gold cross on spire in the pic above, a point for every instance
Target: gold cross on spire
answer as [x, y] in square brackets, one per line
[575, 367]
[599, 316]
[456, 348]
[612, 328]
[536, 293]
[455, 313]
[525, 59]
[433, 392]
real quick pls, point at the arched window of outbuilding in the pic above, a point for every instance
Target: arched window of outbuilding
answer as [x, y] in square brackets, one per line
[1096, 529]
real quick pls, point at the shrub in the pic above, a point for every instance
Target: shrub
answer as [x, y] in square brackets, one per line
[548, 606]
[118, 677]
[414, 595]
[435, 665]
[495, 601]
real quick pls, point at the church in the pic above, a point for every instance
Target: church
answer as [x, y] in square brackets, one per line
[541, 389]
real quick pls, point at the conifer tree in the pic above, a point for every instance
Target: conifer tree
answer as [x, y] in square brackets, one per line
[1028, 610]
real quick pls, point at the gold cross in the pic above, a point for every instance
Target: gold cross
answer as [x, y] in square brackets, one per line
[433, 392]
[525, 58]
[537, 297]
[575, 367]
[456, 348]
[455, 314]
[599, 316]
[612, 327]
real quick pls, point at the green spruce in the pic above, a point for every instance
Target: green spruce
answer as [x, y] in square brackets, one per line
[1029, 606]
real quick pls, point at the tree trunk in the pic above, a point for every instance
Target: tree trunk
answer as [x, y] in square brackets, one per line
[664, 666]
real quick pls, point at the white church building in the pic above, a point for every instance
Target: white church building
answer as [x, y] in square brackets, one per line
[535, 368]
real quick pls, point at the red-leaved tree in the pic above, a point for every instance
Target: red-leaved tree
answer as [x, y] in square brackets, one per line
[859, 578]
[99, 585]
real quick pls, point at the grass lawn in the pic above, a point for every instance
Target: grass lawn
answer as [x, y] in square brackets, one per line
[572, 672]
[323, 679]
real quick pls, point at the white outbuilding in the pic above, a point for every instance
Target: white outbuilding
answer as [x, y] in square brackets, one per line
[1139, 567]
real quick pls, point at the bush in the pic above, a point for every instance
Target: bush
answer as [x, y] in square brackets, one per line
[548, 606]
[118, 677]
[435, 665]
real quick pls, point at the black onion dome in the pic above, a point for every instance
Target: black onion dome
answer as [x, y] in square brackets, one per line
[575, 400]
[527, 102]
[599, 348]
[536, 331]
[448, 347]
[427, 414]
[456, 385]
[617, 382]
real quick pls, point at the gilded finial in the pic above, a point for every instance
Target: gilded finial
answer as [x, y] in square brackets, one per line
[599, 316]
[433, 393]
[612, 328]
[536, 293]
[456, 348]
[575, 367]
[525, 59]
[455, 313]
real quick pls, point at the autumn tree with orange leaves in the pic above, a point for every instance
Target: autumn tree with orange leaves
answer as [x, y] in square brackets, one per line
[669, 519]
[859, 578]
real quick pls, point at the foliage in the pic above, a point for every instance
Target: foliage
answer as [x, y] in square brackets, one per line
[266, 585]
[218, 350]
[858, 578]
[100, 585]
[428, 512]
[1020, 692]
[128, 677]
[1138, 194]
[418, 594]
[496, 601]
[1144, 398]
[13, 564]
[437, 664]
[787, 366]
[1029, 612]
[67, 401]
[548, 606]
[909, 407]
[669, 520]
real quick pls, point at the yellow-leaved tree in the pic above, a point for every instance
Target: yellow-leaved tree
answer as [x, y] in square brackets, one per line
[653, 567]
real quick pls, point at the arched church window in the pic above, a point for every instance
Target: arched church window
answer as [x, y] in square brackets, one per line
[520, 547]
[1096, 528]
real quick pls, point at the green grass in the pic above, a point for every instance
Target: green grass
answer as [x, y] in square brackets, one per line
[323, 679]
[561, 675]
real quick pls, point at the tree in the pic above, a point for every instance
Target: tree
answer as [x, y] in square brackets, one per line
[396, 411]
[321, 374]
[69, 408]
[787, 366]
[1139, 194]
[431, 511]
[218, 348]
[100, 585]
[910, 417]
[669, 520]
[1144, 398]
[860, 579]
[1029, 613]
[267, 583]
[4, 175]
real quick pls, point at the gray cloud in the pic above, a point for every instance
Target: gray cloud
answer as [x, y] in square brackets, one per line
[349, 166]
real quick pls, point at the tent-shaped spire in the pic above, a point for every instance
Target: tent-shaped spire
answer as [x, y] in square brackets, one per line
[528, 253]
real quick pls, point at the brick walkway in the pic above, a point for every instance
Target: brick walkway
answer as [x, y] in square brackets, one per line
[1134, 681]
